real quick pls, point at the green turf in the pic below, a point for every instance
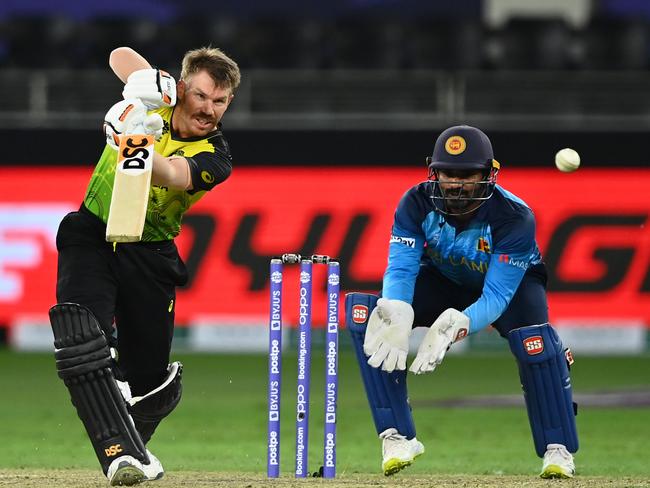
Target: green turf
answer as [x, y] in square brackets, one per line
[220, 424]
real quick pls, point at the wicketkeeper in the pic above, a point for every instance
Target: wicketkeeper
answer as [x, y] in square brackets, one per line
[462, 256]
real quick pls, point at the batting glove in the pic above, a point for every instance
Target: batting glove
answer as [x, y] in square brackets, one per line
[450, 327]
[156, 88]
[387, 334]
[130, 117]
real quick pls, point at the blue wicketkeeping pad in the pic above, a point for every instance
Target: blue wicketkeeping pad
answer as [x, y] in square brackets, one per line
[386, 392]
[544, 374]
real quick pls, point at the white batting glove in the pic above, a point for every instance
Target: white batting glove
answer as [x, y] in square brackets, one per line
[450, 327]
[151, 125]
[387, 334]
[130, 117]
[156, 88]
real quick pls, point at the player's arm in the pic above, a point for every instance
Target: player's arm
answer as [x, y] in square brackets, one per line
[514, 243]
[173, 172]
[501, 282]
[195, 172]
[124, 61]
[156, 88]
[405, 248]
[389, 326]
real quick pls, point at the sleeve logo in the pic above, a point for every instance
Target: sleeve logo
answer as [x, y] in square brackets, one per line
[207, 177]
[407, 241]
[518, 263]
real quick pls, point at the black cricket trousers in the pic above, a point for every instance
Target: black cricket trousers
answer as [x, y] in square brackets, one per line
[130, 286]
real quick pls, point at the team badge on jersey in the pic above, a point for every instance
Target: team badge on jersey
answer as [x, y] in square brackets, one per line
[483, 245]
[455, 145]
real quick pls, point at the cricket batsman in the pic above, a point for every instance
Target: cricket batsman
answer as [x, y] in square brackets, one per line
[462, 256]
[114, 320]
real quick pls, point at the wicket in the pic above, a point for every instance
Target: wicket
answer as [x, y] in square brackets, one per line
[304, 364]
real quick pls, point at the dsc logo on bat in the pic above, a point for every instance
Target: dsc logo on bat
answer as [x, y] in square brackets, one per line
[135, 154]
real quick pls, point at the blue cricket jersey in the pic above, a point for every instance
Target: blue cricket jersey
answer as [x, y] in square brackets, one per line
[488, 254]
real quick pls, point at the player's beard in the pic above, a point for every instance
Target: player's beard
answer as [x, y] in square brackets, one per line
[458, 201]
[458, 207]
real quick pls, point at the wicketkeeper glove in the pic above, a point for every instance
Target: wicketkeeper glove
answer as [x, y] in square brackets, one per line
[387, 334]
[156, 88]
[451, 326]
[130, 117]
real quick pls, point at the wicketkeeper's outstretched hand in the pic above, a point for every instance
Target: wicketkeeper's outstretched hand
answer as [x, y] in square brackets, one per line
[449, 327]
[387, 334]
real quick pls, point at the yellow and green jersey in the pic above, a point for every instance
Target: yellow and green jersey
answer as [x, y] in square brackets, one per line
[210, 164]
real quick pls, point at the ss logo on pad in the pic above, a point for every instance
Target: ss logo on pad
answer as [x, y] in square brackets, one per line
[359, 314]
[534, 345]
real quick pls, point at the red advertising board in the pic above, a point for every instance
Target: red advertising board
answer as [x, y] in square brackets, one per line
[592, 227]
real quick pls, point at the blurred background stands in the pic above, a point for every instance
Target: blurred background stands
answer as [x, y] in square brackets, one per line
[345, 64]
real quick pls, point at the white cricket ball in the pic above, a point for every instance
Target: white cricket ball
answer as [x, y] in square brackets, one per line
[567, 160]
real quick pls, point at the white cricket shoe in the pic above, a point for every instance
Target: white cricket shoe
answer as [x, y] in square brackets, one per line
[125, 471]
[558, 462]
[398, 451]
[154, 470]
[128, 471]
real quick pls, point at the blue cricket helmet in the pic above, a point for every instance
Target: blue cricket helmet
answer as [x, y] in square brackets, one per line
[462, 148]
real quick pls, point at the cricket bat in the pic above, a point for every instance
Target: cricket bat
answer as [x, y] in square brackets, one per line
[132, 182]
[131, 186]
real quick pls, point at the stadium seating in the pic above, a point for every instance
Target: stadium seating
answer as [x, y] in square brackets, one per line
[351, 41]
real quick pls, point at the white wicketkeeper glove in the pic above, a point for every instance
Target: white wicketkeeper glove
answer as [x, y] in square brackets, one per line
[450, 327]
[156, 88]
[387, 334]
[130, 117]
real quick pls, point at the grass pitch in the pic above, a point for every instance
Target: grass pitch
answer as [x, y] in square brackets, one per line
[217, 436]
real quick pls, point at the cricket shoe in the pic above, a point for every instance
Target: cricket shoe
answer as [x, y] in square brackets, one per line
[125, 471]
[398, 451]
[558, 462]
[128, 471]
[153, 470]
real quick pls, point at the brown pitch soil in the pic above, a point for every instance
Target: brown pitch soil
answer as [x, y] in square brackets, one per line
[92, 479]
